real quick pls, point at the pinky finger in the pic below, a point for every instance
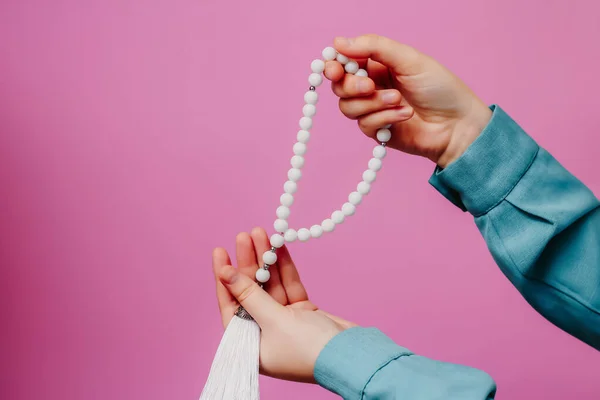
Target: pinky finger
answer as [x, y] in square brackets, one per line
[370, 123]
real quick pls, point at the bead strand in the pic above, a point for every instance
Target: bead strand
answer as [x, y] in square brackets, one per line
[283, 232]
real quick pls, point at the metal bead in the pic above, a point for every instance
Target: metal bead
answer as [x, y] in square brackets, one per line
[383, 144]
[243, 314]
[312, 88]
[273, 249]
[266, 266]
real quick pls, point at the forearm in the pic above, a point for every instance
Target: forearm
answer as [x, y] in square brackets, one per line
[541, 224]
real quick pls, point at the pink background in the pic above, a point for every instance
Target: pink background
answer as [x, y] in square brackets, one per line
[135, 136]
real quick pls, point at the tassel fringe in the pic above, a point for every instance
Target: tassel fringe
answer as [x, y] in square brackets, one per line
[234, 372]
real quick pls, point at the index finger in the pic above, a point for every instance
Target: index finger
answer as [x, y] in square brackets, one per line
[334, 71]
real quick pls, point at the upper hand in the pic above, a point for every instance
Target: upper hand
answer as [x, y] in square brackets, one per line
[293, 329]
[432, 112]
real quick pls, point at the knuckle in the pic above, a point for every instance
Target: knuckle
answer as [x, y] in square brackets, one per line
[347, 109]
[336, 88]
[362, 125]
[365, 127]
[372, 39]
[247, 292]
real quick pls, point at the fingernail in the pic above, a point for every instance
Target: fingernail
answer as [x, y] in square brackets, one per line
[389, 97]
[342, 41]
[228, 275]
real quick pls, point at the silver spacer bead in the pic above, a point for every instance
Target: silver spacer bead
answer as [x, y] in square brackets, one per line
[273, 249]
[312, 88]
[243, 314]
[266, 266]
[383, 144]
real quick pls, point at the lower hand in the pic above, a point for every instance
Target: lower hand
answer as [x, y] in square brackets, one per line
[433, 113]
[293, 329]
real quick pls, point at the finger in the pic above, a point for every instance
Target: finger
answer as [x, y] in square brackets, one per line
[259, 304]
[247, 261]
[370, 123]
[380, 74]
[334, 71]
[402, 59]
[227, 303]
[273, 286]
[353, 86]
[356, 107]
[290, 278]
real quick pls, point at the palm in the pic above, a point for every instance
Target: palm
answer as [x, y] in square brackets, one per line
[284, 286]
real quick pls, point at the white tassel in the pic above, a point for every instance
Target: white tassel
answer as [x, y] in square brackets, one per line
[234, 371]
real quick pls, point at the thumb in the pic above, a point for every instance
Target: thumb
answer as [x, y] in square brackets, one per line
[398, 57]
[259, 304]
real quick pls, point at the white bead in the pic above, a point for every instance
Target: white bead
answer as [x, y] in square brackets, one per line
[363, 188]
[317, 66]
[375, 164]
[337, 217]
[355, 198]
[311, 97]
[297, 161]
[309, 110]
[299, 148]
[328, 225]
[305, 123]
[280, 225]
[283, 212]
[351, 67]
[263, 275]
[379, 152]
[369, 176]
[384, 135]
[361, 72]
[303, 234]
[303, 136]
[316, 231]
[290, 187]
[329, 53]
[277, 240]
[315, 79]
[286, 200]
[290, 235]
[294, 174]
[269, 257]
[342, 59]
[348, 209]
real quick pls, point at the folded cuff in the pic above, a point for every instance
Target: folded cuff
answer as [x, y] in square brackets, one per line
[336, 368]
[490, 168]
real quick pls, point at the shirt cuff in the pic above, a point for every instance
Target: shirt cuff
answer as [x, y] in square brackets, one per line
[336, 367]
[490, 168]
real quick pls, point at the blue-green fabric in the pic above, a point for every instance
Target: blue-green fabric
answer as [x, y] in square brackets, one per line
[542, 227]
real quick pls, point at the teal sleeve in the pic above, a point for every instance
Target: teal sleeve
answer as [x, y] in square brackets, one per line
[540, 223]
[542, 226]
[363, 363]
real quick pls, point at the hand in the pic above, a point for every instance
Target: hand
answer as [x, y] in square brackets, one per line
[432, 112]
[294, 330]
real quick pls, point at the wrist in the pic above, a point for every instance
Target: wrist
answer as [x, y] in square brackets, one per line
[465, 132]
